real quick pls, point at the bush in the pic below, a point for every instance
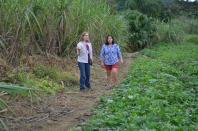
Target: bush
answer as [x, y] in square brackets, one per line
[143, 6]
[141, 30]
[44, 85]
[45, 78]
[43, 71]
[54, 73]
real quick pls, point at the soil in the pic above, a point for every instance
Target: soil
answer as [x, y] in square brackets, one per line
[66, 109]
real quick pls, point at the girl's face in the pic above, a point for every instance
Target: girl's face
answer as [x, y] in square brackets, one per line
[110, 40]
[86, 37]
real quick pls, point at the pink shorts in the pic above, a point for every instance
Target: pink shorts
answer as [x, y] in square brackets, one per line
[110, 67]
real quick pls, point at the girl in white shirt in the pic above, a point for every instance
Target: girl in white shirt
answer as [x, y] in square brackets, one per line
[85, 57]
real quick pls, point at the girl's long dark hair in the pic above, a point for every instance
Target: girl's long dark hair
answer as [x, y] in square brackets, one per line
[106, 42]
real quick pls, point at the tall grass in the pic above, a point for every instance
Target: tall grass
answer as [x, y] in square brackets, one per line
[48, 26]
[188, 25]
[169, 32]
[176, 30]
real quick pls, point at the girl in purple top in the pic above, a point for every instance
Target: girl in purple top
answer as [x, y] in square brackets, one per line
[110, 56]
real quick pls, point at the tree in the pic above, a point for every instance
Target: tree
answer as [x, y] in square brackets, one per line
[151, 8]
[141, 30]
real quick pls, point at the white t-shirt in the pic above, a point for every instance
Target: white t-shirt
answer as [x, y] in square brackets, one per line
[83, 54]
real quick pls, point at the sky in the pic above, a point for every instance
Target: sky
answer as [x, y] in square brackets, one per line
[190, 0]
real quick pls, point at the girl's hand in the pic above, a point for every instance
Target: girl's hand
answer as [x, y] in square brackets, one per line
[102, 65]
[121, 61]
[78, 51]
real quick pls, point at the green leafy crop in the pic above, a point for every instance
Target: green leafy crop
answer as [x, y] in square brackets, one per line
[160, 93]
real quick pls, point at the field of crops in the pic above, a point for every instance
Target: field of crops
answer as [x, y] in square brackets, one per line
[158, 94]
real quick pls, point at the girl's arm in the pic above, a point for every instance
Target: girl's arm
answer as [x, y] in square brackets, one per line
[78, 49]
[102, 56]
[91, 51]
[119, 54]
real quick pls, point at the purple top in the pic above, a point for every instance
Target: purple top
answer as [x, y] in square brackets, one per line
[110, 54]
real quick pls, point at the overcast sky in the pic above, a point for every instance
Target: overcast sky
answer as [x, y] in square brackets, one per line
[190, 0]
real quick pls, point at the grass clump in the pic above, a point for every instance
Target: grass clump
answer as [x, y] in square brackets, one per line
[41, 71]
[192, 39]
[48, 80]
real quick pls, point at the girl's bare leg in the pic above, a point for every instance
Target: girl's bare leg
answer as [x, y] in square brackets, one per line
[108, 76]
[115, 76]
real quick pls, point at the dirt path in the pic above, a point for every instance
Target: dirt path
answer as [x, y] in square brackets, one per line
[82, 103]
[66, 109]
